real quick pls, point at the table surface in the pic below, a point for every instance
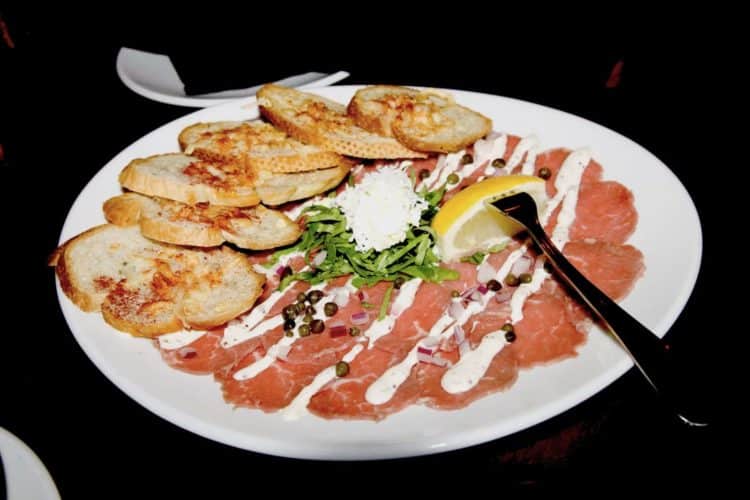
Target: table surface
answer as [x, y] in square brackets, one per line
[70, 115]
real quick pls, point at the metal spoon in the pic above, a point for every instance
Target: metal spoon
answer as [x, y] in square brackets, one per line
[645, 348]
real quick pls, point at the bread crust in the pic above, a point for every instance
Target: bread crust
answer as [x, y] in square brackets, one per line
[315, 120]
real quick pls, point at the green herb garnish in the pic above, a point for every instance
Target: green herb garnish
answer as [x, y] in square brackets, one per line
[475, 259]
[384, 304]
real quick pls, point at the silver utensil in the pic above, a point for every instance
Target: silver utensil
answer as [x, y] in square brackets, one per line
[646, 349]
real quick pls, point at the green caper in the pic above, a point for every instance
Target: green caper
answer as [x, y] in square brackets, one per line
[289, 312]
[512, 280]
[494, 285]
[304, 330]
[354, 331]
[507, 327]
[544, 173]
[342, 368]
[455, 294]
[423, 174]
[317, 326]
[307, 319]
[314, 296]
[289, 324]
[498, 163]
[453, 179]
[299, 308]
[289, 333]
[330, 308]
[467, 158]
[510, 336]
[301, 297]
[310, 310]
[398, 282]
[525, 278]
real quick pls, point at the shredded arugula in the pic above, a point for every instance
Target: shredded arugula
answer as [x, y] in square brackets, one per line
[475, 259]
[326, 231]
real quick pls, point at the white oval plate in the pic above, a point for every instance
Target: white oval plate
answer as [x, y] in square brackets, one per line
[668, 234]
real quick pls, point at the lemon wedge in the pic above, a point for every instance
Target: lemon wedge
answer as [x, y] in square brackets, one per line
[466, 224]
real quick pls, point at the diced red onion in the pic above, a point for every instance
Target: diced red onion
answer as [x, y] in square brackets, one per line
[485, 272]
[187, 353]
[280, 271]
[362, 296]
[424, 350]
[337, 329]
[455, 310]
[458, 334]
[433, 360]
[482, 289]
[522, 265]
[464, 347]
[319, 258]
[360, 318]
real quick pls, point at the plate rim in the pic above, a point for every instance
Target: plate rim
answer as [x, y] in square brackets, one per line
[469, 437]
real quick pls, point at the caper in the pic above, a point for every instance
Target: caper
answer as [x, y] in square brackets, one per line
[507, 327]
[314, 296]
[544, 173]
[525, 278]
[423, 174]
[330, 308]
[289, 333]
[304, 330]
[455, 293]
[310, 310]
[494, 285]
[342, 368]
[511, 280]
[467, 158]
[289, 312]
[307, 319]
[453, 179]
[289, 324]
[510, 336]
[299, 308]
[301, 297]
[498, 163]
[398, 282]
[354, 331]
[317, 326]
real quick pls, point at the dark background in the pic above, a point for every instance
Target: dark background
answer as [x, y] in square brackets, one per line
[64, 114]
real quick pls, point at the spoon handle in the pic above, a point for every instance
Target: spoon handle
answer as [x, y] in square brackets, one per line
[645, 348]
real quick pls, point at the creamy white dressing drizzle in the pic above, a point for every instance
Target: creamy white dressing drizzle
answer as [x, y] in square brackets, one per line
[382, 390]
[298, 407]
[172, 341]
[522, 148]
[496, 150]
[530, 163]
[446, 166]
[273, 352]
[472, 366]
[403, 301]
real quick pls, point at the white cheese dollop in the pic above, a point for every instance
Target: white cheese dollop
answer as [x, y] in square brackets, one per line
[380, 209]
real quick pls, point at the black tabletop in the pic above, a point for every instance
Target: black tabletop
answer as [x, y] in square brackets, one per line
[65, 114]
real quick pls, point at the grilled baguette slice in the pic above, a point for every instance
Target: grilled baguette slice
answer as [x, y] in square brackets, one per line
[277, 188]
[316, 120]
[258, 145]
[191, 180]
[202, 225]
[424, 121]
[147, 288]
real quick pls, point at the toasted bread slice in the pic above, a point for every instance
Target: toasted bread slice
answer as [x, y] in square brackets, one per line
[258, 145]
[277, 188]
[254, 228]
[316, 120]
[148, 288]
[424, 121]
[191, 180]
